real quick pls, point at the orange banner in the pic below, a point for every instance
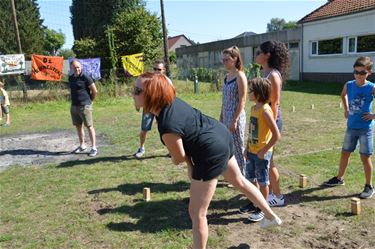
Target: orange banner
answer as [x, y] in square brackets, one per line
[46, 67]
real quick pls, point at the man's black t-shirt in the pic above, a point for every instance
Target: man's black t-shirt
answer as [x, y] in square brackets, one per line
[205, 139]
[79, 89]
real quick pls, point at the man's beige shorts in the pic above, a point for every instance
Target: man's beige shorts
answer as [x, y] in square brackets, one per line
[81, 115]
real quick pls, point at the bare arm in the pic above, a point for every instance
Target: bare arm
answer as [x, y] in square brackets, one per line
[276, 83]
[93, 91]
[369, 116]
[344, 98]
[242, 89]
[268, 117]
[176, 149]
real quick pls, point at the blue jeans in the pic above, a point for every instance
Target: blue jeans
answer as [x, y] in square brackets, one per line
[365, 138]
[147, 119]
[258, 170]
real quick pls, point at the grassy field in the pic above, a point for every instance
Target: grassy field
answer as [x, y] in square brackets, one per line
[97, 203]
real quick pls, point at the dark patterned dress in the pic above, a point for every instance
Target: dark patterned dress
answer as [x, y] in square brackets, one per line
[230, 102]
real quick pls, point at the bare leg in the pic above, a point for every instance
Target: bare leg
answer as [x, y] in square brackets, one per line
[92, 136]
[265, 191]
[344, 161]
[142, 138]
[81, 135]
[234, 177]
[200, 197]
[7, 119]
[367, 167]
[274, 179]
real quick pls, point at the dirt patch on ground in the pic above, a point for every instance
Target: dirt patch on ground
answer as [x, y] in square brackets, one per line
[39, 148]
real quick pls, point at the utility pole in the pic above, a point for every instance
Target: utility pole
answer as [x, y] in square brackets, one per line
[16, 27]
[19, 47]
[165, 39]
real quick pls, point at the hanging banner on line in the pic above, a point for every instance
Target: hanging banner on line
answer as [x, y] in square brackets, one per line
[133, 64]
[12, 64]
[46, 67]
[90, 67]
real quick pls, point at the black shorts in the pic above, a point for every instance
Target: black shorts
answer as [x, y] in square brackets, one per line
[212, 153]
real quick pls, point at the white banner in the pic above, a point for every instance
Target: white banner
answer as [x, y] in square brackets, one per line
[12, 64]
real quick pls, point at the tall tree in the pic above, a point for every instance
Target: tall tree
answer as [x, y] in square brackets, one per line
[30, 26]
[277, 24]
[138, 31]
[90, 18]
[134, 28]
[53, 40]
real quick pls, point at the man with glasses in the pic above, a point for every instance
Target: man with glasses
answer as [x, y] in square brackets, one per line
[148, 118]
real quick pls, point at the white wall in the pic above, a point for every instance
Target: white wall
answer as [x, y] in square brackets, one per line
[345, 26]
[180, 42]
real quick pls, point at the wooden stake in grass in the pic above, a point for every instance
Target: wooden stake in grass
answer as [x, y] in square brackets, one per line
[340, 105]
[293, 108]
[312, 106]
[356, 206]
[302, 181]
[146, 194]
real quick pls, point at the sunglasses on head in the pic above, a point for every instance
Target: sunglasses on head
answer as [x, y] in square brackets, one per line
[137, 90]
[363, 72]
[157, 69]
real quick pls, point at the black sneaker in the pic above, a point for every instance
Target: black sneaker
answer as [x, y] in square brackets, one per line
[247, 208]
[334, 181]
[368, 192]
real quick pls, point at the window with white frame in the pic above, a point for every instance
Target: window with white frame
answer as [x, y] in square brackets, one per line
[352, 44]
[361, 44]
[314, 48]
[327, 47]
[366, 43]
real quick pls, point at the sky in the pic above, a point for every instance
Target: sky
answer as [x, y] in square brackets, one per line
[200, 20]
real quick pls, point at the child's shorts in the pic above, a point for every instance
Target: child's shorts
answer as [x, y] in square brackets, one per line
[147, 119]
[365, 138]
[5, 109]
[258, 170]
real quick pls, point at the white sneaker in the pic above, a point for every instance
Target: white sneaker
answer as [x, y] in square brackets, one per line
[140, 152]
[265, 223]
[93, 152]
[270, 197]
[80, 150]
[274, 201]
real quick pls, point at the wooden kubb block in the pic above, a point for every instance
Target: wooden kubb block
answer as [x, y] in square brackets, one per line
[146, 194]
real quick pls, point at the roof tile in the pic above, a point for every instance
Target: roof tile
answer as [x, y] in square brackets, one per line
[334, 8]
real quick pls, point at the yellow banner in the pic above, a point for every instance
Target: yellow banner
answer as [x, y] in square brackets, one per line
[133, 64]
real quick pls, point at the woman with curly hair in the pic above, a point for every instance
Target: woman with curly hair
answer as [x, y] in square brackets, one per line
[274, 59]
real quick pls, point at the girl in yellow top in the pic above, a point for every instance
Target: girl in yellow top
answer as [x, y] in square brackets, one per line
[4, 102]
[263, 134]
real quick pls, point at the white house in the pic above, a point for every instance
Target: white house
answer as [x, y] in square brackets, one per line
[177, 42]
[333, 36]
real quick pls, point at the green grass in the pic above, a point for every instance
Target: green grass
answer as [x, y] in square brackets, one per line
[97, 203]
